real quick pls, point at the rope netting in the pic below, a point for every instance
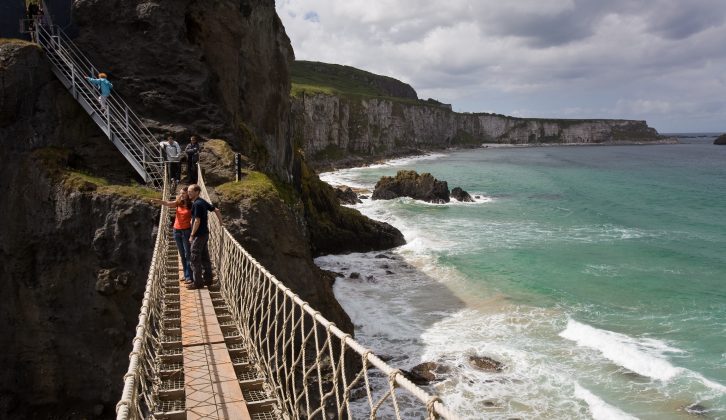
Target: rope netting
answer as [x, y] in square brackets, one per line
[316, 370]
[311, 367]
[141, 381]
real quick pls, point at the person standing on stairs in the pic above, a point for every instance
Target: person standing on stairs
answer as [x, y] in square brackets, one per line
[105, 86]
[171, 151]
[201, 263]
[182, 229]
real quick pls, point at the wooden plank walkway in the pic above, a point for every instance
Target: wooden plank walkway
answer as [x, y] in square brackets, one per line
[210, 382]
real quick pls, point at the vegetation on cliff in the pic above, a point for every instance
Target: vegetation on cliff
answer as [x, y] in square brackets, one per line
[335, 79]
[54, 160]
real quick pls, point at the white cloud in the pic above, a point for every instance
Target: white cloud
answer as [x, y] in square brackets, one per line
[570, 58]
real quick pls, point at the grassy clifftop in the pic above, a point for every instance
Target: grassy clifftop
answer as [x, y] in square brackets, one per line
[335, 79]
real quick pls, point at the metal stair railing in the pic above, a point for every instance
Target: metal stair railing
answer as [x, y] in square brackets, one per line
[119, 123]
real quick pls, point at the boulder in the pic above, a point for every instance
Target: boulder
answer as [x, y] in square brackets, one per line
[721, 140]
[410, 184]
[347, 196]
[697, 409]
[486, 364]
[461, 195]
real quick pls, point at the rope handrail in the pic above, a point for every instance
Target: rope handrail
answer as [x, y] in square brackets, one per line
[119, 122]
[253, 294]
[141, 376]
[313, 369]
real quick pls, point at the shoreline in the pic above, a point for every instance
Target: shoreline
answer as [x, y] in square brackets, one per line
[361, 162]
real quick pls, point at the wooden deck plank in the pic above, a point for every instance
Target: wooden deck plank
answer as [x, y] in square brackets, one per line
[211, 386]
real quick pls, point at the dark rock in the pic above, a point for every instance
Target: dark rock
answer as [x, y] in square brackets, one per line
[347, 196]
[461, 195]
[415, 378]
[335, 229]
[389, 272]
[354, 275]
[697, 409]
[221, 71]
[363, 197]
[477, 197]
[410, 184]
[63, 233]
[489, 404]
[721, 140]
[486, 363]
[383, 256]
[425, 371]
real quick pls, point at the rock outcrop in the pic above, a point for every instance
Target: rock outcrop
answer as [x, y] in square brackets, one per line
[721, 140]
[347, 196]
[460, 195]
[219, 70]
[75, 253]
[410, 184]
[486, 364]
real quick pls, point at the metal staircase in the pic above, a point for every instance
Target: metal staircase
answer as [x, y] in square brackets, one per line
[118, 122]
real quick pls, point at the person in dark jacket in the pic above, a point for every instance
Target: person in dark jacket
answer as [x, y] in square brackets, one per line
[201, 263]
[192, 150]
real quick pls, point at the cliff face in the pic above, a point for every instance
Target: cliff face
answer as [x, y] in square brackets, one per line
[75, 258]
[353, 130]
[192, 67]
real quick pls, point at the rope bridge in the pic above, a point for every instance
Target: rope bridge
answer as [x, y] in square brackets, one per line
[311, 367]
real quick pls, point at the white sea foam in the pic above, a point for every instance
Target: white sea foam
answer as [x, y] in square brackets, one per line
[599, 409]
[644, 357]
[407, 160]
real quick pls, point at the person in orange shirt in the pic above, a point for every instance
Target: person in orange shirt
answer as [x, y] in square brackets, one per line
[182, 228]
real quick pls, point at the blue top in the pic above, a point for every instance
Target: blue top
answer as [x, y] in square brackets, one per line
[201, 209]
[104, 84]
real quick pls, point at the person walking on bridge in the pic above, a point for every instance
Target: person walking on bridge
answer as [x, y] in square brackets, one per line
[182, 229]
[201, 263]
[105, 86]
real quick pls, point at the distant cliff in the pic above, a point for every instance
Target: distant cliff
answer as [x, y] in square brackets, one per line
[339, 127]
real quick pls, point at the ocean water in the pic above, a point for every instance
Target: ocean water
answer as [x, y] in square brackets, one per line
[597, 275]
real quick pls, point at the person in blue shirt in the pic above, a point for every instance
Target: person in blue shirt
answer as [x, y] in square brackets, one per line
[105, 86]
[200, 261]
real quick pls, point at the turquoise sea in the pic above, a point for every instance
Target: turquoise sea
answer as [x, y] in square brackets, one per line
[596, 274]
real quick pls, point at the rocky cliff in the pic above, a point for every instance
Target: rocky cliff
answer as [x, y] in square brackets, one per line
[348, 128]
[76, 245]
[75, 249]
[217, 69]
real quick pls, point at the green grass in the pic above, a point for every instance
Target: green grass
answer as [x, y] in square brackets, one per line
[55, 161]
[335, 79]
[81, 181]
[256, 185]
[310, 77]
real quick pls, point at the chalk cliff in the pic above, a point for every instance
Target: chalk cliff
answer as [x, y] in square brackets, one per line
[344, 128]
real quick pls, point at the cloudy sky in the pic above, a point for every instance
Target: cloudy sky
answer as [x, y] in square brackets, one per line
[663, 61]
